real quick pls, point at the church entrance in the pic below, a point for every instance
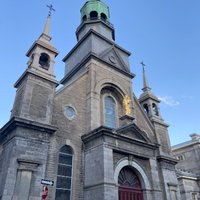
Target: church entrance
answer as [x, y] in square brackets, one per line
[129, 185]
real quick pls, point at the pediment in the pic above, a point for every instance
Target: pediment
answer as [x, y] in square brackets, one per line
[112, 56]
[133, 132]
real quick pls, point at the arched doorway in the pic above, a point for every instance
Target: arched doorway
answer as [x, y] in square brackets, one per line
[129, 185]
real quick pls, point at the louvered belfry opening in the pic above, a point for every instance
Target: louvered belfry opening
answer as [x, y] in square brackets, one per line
[129, 185]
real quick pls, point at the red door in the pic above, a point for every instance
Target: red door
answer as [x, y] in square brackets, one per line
[130, 194]
[129, 185]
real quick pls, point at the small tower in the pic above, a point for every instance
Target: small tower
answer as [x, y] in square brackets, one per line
[95, 9]
[42, 53]
[148, 100]
[150, 104]
[95, 15]
[36, 86]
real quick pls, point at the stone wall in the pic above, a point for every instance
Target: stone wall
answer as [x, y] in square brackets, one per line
[25, 155]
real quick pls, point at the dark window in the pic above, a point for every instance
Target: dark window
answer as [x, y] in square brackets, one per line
[84, 18]
[93, 15]
[64, 174]
[62, 194]
[155, 109]
[44, 61]
[110, 112]
[146, 109]
[103, 17]
[180, 157]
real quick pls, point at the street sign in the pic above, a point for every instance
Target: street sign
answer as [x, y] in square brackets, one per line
[47, 182]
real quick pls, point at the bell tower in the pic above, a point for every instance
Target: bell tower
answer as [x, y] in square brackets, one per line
[150, 104]
[26, 136]
[36, 86]
[95, 15]
[148, 100]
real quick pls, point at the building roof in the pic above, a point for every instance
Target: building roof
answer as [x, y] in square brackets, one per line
[195, 139]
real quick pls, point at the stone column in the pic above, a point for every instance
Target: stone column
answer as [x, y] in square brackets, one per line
[99, 178]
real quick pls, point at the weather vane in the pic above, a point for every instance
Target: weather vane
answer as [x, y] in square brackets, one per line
[50, 9]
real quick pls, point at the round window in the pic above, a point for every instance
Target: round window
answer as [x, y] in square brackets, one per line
[69, 112]
[112, 59]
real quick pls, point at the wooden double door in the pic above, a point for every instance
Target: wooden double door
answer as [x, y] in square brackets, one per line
[129, 185]
[130, 194]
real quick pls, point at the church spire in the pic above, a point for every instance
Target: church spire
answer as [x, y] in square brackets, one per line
[148, 100]
[42, 53]
[47, 26]
[45, 37]
[145, 81]
[46, 32]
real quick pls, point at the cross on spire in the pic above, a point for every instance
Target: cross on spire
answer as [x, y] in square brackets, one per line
[142, 63]
[145, 81]
[50, 9]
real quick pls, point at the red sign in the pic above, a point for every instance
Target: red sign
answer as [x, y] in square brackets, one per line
[44, 193]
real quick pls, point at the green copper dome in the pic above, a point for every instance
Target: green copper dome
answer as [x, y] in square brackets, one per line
[95, 9]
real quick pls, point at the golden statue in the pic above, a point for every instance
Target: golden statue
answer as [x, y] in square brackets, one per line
[127, 105]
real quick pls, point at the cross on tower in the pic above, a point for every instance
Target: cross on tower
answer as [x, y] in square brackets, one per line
[50, 9]
[143, 65]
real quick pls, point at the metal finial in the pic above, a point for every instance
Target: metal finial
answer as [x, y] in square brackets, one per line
[50, 9]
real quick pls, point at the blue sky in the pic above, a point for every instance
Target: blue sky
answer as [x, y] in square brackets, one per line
[164, 34]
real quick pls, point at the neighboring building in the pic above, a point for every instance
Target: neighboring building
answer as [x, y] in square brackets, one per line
[188, 167]
[92, 137]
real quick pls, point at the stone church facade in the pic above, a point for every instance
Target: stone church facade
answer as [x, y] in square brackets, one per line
[93, 137]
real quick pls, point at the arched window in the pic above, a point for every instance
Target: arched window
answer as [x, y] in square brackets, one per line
[146, 109]
[155, 109]
[110, 112]
[64, 174]
[84, 18]
[103, 17]
[44, 61]
[93, 15]
[129, 185]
